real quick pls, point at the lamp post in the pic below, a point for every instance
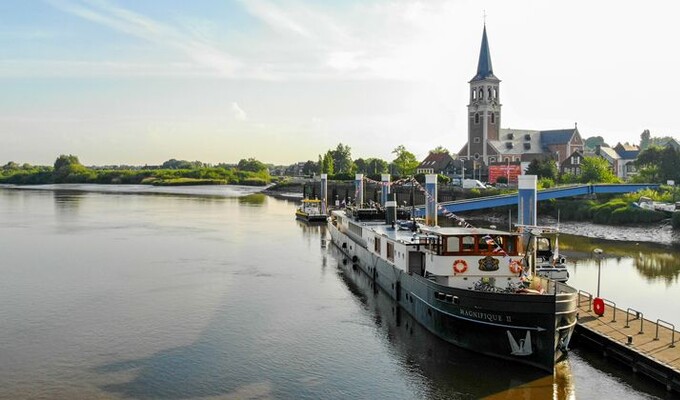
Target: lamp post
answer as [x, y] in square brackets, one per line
[598, 257]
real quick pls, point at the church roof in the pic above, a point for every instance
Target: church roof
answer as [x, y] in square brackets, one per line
[484, 67]
[557, 136]
[517, 142]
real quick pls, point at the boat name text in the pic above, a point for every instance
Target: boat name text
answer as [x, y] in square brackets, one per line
[485, 316]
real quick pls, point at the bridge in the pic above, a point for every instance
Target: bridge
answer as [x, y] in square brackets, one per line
[544, 194]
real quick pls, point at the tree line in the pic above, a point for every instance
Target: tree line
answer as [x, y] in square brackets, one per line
[338, 163]
[68, 169]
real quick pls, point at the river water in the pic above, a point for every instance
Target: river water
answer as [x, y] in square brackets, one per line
[223, 295]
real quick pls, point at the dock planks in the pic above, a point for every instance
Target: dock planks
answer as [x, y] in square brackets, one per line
[658, 359]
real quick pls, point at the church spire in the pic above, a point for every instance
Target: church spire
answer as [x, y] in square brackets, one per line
[484, 68]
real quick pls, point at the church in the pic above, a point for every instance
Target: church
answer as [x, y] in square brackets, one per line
[489, 144]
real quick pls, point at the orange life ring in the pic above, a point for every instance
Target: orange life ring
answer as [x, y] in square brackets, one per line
[459, 266]
[598, 306]
[515, 266]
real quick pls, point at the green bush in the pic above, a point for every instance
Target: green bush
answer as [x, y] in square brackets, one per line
[675, 220]
[633, 215]
[579, 210]
[545, 183]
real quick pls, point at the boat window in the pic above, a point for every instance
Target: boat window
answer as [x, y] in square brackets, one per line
[484, 245]
[355, 229]
[468, 243]
[377, 245]
[452, 244]
[499, 241]
[390, 251]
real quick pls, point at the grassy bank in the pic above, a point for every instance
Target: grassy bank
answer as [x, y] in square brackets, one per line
[32, 175]
[613, 210]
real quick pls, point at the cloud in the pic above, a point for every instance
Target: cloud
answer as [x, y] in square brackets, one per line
[275, 16]
[203, 53]
[238, 113]
[301, 41]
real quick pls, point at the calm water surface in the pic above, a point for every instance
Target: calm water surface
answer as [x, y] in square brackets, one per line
[112, 295]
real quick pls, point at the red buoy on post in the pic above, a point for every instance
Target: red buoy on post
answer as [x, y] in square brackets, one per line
[598, 306]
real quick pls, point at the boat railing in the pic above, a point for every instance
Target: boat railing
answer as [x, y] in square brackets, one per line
[668, 326]
[554, 287]
[638, 315]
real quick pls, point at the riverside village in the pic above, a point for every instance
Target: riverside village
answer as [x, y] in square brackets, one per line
[540, 262]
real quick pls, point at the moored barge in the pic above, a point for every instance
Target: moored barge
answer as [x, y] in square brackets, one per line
[472, 287]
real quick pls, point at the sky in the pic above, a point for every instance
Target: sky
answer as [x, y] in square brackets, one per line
[143, 81]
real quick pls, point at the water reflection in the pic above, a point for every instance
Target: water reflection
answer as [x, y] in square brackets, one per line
[652, 261]
[255, 199]
[450, 372]
[67, 202]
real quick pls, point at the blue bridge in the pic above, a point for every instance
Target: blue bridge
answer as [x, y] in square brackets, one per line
[545, 194]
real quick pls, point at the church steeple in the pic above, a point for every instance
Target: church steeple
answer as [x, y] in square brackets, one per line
[484, 67]
[484, 110]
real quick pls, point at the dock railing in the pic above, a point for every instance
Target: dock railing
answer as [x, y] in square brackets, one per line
[611, 303]
[638, 315]
[589, 296]
[669, 326]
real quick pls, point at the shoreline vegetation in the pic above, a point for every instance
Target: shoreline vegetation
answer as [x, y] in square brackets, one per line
[602, 209]
[68, 169]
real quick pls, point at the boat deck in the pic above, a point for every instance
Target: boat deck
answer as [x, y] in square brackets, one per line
[651, 348]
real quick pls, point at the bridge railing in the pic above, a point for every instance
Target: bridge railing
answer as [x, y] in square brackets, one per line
[544, 194]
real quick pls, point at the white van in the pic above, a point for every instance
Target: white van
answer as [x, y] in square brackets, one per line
[473, 184]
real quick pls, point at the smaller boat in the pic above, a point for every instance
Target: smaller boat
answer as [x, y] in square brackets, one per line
[648, 204]
[549, 263]
[312, 210]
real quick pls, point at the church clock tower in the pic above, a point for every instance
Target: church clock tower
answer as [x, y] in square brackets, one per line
[484, 110]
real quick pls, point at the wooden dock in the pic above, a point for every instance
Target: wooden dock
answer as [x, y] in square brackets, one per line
[650, 348]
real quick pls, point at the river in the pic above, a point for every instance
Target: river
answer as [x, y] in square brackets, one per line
[225, 295]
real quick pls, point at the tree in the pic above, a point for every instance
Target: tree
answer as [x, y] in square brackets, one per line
[65, 161]
[543, 168]
[659, 164]
[10, 166]
[181, 164]
[68, 169]
[405, 161]
[594, 141]
[439, 150]
[310, 167]
[252, 165]
[360, 165]
[375, 166]
[327, 164]
[342, 159]
[370, 166]
[644, 139]
[596, 170]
